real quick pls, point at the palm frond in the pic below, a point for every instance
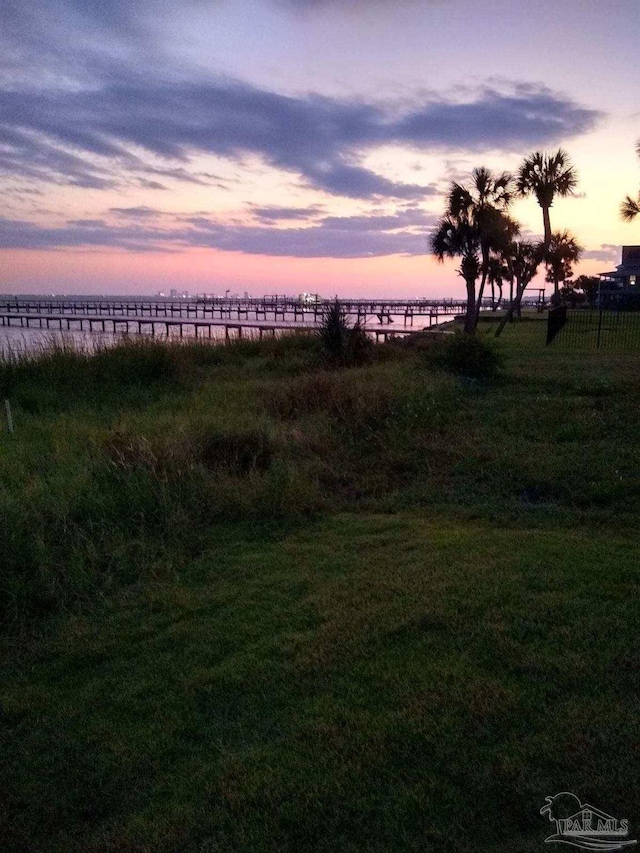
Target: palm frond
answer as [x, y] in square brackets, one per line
[630, 208]
[547, 175]
[453, 236]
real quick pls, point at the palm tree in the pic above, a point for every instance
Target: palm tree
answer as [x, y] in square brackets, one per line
[502, 231]
[497, 275]
[563, 252]
[522, 259]
[483, 201]
[456, 236]
[630, 207]
[476, 215]
[546, 176]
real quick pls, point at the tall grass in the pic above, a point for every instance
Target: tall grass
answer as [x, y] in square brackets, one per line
[89, 501]
[124, 463]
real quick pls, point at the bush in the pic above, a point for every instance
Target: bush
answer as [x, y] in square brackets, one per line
[467, 355]
[343, 345]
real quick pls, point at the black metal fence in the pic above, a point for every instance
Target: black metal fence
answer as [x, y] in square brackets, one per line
[593, 328]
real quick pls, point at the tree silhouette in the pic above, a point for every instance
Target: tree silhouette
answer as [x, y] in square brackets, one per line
[630, 207]
[474, 224]
[563, 252]
[546, 176]
[497, 275]
[522, 260]
[458, 237]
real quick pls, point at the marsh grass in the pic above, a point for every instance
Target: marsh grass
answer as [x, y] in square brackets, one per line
[252, 603]
[133, 452]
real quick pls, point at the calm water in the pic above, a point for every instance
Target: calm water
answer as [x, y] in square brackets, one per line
[14, 339]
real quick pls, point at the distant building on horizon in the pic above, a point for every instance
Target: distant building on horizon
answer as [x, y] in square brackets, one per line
[309, 299]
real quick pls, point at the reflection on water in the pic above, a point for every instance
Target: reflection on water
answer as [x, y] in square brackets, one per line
[15, 340]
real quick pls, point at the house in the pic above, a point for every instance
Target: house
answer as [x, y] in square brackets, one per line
[621, 287]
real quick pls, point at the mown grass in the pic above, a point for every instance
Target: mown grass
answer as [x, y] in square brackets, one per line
[254, 604]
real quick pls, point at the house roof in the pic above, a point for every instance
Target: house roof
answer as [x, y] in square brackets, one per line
[624, 270]
[630, 263]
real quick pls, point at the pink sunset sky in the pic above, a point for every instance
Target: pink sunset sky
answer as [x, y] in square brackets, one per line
[297, 145]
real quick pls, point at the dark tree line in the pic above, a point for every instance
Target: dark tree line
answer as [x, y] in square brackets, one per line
[477, 228]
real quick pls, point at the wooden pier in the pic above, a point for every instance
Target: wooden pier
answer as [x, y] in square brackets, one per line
[281, 309]
[140, 324]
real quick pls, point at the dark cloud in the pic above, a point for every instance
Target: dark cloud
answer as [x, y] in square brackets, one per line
[140, 212]
[334, 237]
[411, 218]
[105, 114]
[151, 185]
[315, 242]
[528, 116]
[29, 154]
[86, 135]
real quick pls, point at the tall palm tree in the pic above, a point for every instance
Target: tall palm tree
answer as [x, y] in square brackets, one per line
[630, 207]
[563, 252]
[456, 236]
[546, 176]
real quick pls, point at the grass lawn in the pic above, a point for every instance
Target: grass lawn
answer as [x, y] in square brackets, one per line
[256, 606]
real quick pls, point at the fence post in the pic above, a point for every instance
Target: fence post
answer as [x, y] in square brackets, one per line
[599, 327]
[7, 409]
[556, 320]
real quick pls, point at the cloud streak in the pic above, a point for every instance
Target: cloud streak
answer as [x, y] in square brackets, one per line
[127, 124]
[404, 232]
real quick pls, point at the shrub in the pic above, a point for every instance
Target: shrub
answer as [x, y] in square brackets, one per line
[341, 344]
[467, 355]
[359, 346]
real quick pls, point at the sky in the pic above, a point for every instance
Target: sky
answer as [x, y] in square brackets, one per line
[284, 146]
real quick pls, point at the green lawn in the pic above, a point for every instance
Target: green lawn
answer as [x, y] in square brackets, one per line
[255, 606]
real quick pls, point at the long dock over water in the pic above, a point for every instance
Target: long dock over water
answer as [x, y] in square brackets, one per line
[381, 318]
[265, 308]
[202, 317]
[123, 323]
